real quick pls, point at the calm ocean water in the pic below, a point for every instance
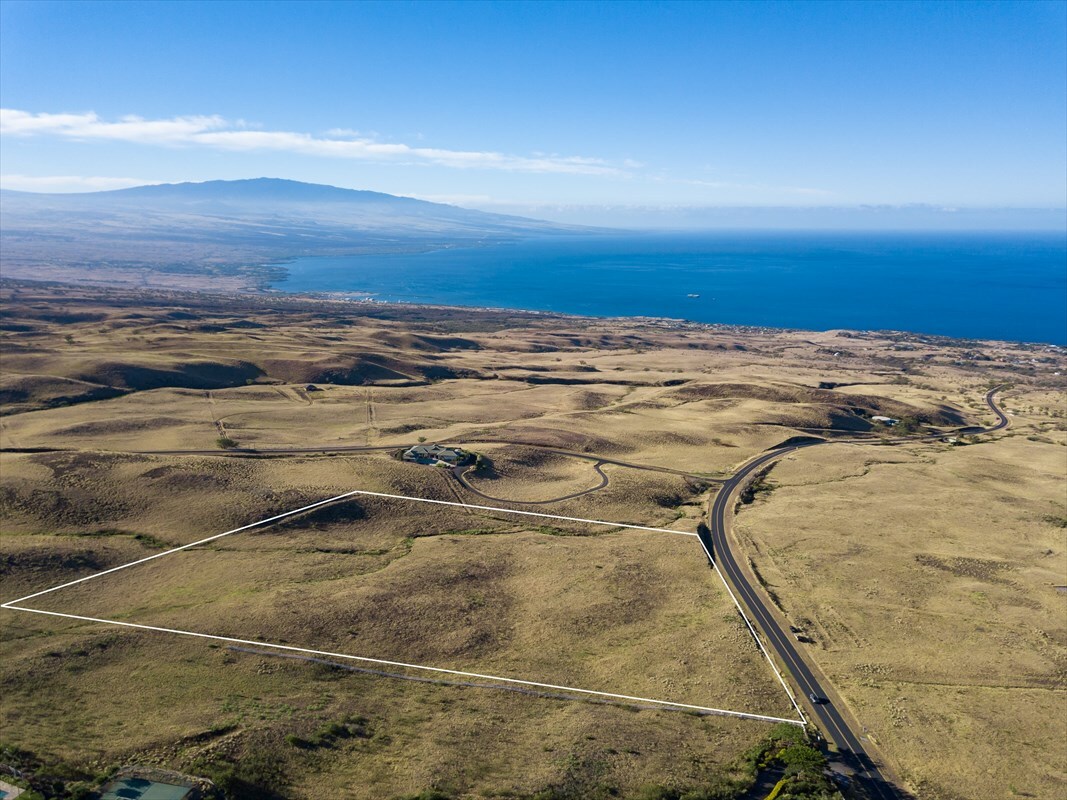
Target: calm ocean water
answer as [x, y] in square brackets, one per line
[1002, 286]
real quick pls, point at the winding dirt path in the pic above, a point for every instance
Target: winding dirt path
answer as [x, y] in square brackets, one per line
[460, 474]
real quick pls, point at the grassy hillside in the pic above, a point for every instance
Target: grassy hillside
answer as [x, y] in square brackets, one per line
[922, 577]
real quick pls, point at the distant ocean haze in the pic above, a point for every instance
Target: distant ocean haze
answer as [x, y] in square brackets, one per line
[1009, 286]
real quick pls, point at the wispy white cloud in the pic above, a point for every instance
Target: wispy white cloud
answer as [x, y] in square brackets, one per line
[66, 183]
[221, 134]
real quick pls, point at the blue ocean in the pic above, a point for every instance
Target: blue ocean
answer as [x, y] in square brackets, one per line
[997, 286]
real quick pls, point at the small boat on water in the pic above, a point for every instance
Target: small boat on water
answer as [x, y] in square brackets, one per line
[692, 295]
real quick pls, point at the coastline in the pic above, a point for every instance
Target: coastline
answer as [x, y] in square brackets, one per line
[431, 312]
[1003, 287]
[769, 279]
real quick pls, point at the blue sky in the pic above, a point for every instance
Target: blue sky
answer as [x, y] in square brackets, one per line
[525, 106]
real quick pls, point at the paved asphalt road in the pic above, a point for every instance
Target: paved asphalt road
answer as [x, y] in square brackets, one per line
[829, 719]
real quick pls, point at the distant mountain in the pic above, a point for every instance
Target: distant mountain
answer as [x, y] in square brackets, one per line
[262, 190]
[228, 228]
[358, 210]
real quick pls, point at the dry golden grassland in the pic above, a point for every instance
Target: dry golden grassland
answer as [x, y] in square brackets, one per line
[592, 607]
[614, 612]
[922, 574]
[588, 606]
[926, 579]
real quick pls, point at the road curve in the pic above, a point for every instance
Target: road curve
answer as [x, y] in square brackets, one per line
[830, 720]
[1002, 418]
[461, 475]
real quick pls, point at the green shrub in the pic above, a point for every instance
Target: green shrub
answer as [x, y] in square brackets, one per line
[800, 758]
[256, 775]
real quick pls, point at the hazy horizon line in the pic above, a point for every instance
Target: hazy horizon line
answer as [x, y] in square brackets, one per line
[105, 184]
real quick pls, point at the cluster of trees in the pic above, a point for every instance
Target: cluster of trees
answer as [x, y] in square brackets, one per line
[788, 751]
[791, 748]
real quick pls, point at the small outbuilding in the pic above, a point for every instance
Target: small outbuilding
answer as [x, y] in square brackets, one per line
[885, 420]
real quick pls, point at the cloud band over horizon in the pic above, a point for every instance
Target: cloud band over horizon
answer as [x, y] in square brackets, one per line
[218, 133]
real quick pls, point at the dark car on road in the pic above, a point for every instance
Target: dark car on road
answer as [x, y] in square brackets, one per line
[817, 699]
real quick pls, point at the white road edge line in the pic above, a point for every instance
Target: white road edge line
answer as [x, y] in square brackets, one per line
[365, 659]
[759, 642]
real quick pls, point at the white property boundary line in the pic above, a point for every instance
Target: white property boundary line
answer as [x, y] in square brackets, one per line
[277, 517]
[14, 605]
[365, 659]
[755, 635]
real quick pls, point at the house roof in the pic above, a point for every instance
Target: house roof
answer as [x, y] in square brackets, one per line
[432, 450]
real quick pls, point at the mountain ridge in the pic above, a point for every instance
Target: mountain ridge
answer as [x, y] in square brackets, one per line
[263, 188]
[254, 192]
[229, 233]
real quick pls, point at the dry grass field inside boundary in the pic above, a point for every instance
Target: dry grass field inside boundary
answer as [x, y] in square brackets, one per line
[924, 579]
[163, 587]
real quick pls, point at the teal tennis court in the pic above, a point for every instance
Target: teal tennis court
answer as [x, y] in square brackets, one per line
[142, 789]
